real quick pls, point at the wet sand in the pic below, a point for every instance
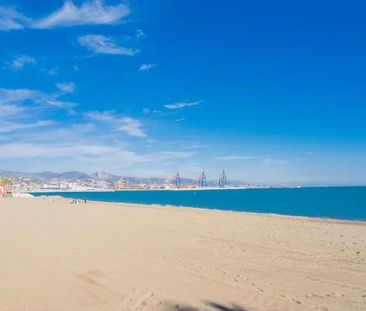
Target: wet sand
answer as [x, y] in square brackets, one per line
[104, 256]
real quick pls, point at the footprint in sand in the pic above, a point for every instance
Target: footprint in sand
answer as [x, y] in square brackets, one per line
[297, 301]
[139, 299]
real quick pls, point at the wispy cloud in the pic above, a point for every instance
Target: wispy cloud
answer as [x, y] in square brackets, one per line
[140, 34]
[18, 95]
[145, 67]
[67, 87]
[31, 150]
[86, 154]
[20, 61]
[88, 145]
[52, 72]
[125, 124]
[265, 160]
[94, 12]
[151, 111]
[9, 110]
[99, 44]
[62, 104]
[13, 126]
[194, 146]
[13, 101]
[11, 19]
[238, 157]
[271, 161]
[168, 155]
[181, 105]
[131, 126]
[105, 116]
[19, 110]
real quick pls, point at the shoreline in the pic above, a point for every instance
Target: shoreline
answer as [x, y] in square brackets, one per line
[324, 219]
[192, 189]
[155, 189]
[317, 219]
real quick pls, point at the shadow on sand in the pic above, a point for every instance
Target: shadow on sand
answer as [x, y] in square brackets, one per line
[211, 305]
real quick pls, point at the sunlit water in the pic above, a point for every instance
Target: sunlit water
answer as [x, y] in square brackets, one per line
[338, 202]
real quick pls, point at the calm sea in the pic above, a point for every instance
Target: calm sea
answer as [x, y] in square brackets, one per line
[333, 202]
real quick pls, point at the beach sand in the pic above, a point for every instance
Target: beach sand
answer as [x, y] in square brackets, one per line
[104, 256]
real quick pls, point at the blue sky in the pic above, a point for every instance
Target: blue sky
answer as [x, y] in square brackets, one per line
[274, 91]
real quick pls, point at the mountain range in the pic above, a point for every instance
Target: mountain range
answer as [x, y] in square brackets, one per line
[74, 176]
[71, 176]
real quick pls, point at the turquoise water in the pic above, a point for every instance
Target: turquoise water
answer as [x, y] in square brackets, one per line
[336, 202]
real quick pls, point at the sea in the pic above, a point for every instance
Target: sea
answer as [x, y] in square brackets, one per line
[347, 203]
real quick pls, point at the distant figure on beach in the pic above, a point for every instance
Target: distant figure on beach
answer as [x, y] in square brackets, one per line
[77, 201]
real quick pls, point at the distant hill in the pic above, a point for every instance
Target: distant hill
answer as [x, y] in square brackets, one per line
[71, 176]
[104, 176]
[46, 175]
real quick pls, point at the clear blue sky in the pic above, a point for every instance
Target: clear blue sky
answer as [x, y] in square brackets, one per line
[272, 90]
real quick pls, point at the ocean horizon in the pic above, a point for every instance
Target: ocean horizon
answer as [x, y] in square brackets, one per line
[342, 203]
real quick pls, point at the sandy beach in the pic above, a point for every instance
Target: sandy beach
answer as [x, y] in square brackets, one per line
[104, 256]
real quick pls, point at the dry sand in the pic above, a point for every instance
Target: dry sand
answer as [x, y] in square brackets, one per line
[103, 256]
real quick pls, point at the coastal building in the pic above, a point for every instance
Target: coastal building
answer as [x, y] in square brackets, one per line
[119, 184]
[6, 190]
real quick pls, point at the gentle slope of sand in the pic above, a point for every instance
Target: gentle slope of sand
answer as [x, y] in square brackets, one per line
[102, 256]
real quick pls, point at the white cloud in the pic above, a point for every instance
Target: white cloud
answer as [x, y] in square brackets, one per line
[86, 154]
[125, 124]
[61, 104]
[94, 12]
[67, 87]
[131, 126]
[19, 62]
[18, 95]
[197, 146]
[12, 126]
[140, 34]
[11, 19]
[181, 105]
[99, 44]
[145, 67]
[151, 111]
[31, 150]
[168, 155]
[237, 157]
[105, 116]
[52, 71]
[94, 143]
[9, 110]
[26, 100]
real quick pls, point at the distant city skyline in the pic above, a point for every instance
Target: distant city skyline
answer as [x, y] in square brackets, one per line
[274, 92]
